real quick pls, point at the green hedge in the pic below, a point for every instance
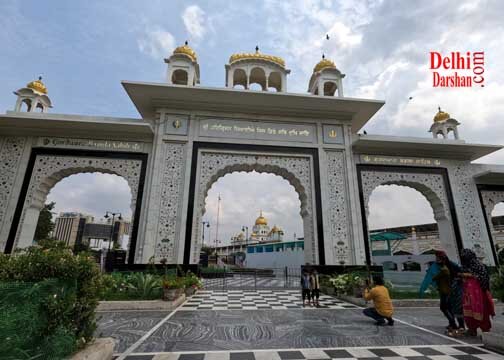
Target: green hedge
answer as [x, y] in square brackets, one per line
[27, 329]
[67, 309]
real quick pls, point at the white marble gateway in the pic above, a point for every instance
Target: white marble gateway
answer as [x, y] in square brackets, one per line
[189, 136]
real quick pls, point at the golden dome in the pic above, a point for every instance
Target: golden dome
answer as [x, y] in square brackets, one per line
[261, 220]
[186, 50]
[441, 116]
[37, 85]
[256, 56]
[323, 64]
[275, 229]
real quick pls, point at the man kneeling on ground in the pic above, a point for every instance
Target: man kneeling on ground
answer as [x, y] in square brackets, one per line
[383, 309]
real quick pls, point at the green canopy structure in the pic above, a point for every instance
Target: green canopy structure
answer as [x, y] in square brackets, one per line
[387, 236]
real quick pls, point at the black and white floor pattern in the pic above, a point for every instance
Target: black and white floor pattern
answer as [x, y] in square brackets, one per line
[248, 282]
[257, 300]
[439, 352]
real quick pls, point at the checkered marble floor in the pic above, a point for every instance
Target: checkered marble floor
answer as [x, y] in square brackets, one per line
[257, 300]
[248, 282]
[438, 352]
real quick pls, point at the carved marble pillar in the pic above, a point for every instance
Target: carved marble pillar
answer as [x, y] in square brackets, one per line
[468, 208]
[11, 151]
[337, 246]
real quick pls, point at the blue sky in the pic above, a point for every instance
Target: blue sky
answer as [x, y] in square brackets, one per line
[83, 49]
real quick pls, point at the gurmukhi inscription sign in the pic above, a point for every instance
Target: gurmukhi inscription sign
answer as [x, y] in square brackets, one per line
[73, 143]
[242, 129]
[394, 160]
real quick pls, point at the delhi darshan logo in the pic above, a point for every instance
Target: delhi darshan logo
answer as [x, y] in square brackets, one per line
[470, 66]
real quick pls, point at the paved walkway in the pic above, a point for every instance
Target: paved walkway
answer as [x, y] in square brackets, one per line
[338, 331]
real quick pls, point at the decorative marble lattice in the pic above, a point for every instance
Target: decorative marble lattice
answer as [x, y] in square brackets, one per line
[337, 206]
[169, 210]
[429, 185]
[11, 150]
[466, 200]
[49, 169]
[295, 169]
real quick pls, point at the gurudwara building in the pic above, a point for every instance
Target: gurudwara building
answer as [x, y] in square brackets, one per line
[261, 232]
[189, 135]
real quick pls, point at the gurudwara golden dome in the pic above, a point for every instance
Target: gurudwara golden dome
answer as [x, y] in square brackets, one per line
[441, 116]
[186, 50]
[256, 56]
[275, 229]
[37, 85]
[323, 64]
[261, 220]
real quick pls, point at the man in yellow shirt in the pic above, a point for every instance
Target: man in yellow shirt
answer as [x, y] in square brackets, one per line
[383, 309]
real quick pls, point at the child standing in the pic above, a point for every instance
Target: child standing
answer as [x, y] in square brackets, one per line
[315, 288]
[305, 287]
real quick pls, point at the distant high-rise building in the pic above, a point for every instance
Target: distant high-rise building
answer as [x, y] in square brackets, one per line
[98, 236]
[69, 227]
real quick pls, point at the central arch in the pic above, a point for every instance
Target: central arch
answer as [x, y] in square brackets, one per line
[296, 169]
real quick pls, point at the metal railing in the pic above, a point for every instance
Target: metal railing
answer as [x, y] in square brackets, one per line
[252, 279]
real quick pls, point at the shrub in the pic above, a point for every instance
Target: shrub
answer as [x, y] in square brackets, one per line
[143, 285]
[173, 282]
[131, 286]
[347, 284]
[71, 309]
[192, 281]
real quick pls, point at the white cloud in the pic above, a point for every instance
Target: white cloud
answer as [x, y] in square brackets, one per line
[93, 194]
[157, 43]
[194, 21]
[392, 206]
[344, 35]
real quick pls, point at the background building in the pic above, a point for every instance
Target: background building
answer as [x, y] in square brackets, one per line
[75, 228]
[69, 227]
[261, 232]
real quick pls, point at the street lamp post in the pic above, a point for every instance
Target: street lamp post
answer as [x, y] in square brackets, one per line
[207, 223]
[107, 215]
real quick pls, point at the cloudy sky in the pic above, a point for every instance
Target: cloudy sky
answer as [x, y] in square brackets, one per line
[84, 49]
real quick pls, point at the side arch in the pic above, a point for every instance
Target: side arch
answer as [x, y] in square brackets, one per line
[430, 185]
[50, 169]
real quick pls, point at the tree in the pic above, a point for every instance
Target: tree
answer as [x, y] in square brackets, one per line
[45, 224]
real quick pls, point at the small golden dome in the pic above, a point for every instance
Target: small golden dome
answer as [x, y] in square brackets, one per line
[256, 56]
[38, 86]
[186, 50]
[323, 64]
[261, 220]
[441, 116]
[275, 229]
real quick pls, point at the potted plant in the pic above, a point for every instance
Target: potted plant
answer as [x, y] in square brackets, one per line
[192, 283]
[172, 288]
